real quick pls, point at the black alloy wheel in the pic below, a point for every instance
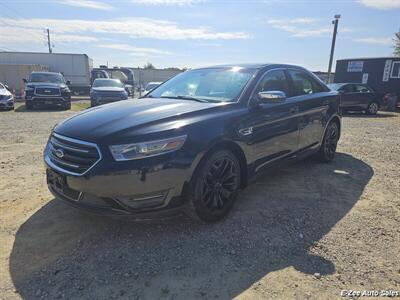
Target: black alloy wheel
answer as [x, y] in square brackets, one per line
[373, 108]
[215, 187]
[329, 144]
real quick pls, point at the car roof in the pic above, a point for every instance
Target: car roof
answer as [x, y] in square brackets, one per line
[36, 72]
[252, 66]
[108, 79]
[344, 83]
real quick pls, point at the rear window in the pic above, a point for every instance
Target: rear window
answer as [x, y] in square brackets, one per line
[108, 83]
[46, 77]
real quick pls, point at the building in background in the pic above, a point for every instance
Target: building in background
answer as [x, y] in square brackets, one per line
[12, 75]
[75, 67]
[381, 73]
[144, 76]
[324, 76]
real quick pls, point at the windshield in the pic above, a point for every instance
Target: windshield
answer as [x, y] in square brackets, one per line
[151, 86]
[108, 83]
[46, 77]
[214, 84]
[335, 86]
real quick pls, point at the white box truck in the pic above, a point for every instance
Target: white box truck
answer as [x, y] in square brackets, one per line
[75, 67]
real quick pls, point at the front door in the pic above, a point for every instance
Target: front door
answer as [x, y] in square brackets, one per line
[271, 129]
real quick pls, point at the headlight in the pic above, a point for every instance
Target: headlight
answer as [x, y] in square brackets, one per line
[29, 88]
[9, 97]
[146, 149]
[65, 90]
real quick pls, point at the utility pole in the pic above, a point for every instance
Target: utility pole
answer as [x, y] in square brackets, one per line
[48, 41]
[335, 22]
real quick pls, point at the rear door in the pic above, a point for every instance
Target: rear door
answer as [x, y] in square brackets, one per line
[364, 95]
[312, 99]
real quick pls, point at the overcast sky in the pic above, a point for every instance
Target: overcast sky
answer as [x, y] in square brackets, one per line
[190, 33]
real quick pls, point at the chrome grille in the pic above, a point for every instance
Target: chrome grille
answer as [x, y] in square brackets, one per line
[47, 91]
[70, 155]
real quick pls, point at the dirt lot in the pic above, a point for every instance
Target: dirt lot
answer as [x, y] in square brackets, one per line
[308, 230]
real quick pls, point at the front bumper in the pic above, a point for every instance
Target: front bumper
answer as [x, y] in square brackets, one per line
[137, 187]
[112, 207]
[57, 100]
[104, 100]
[7, 104]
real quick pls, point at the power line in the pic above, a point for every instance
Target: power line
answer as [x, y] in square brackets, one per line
[48, 40]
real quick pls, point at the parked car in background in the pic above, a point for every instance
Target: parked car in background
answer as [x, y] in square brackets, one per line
[47, 88]
[106, 91]
[193, 142]
[150, 86]
[126, 76]
[359, 97]
[6, 98]
[97, 73]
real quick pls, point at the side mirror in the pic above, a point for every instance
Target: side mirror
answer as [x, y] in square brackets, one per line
[24, 80]
[68, 82]
[271, 96]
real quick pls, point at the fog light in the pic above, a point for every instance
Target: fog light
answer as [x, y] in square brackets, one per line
[144, 201]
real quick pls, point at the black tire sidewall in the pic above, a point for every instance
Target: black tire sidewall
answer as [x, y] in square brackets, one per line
[28, 106]
[369, 105]
[321, 155]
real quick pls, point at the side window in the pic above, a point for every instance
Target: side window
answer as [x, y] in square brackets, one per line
[348, 88]
[273, 81]
[303, 84]
[362, 89]
[395, 70]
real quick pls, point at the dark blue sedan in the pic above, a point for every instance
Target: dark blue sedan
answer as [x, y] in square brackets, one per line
[106, 90]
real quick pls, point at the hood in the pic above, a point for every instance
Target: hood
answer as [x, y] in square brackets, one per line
[117, 122]
[108, 89]
[47, 84]
[4, 92]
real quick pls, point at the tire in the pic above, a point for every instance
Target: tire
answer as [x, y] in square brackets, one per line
[214, 187]
[67, 106]
[28, 105]
[372, 108]
[327, 151]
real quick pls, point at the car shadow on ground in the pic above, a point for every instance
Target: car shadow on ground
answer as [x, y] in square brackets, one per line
[278, 219]
[379, 115]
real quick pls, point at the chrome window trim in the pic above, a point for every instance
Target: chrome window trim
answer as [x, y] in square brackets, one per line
[57, 168]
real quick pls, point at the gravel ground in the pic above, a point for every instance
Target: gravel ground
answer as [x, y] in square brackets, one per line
[307, 230]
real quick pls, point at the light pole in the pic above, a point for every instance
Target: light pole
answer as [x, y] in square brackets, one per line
[335, 22]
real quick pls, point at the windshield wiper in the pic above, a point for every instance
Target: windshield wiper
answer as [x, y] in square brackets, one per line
[186, 98]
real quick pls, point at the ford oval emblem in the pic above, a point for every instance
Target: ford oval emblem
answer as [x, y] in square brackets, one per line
[59, 153]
